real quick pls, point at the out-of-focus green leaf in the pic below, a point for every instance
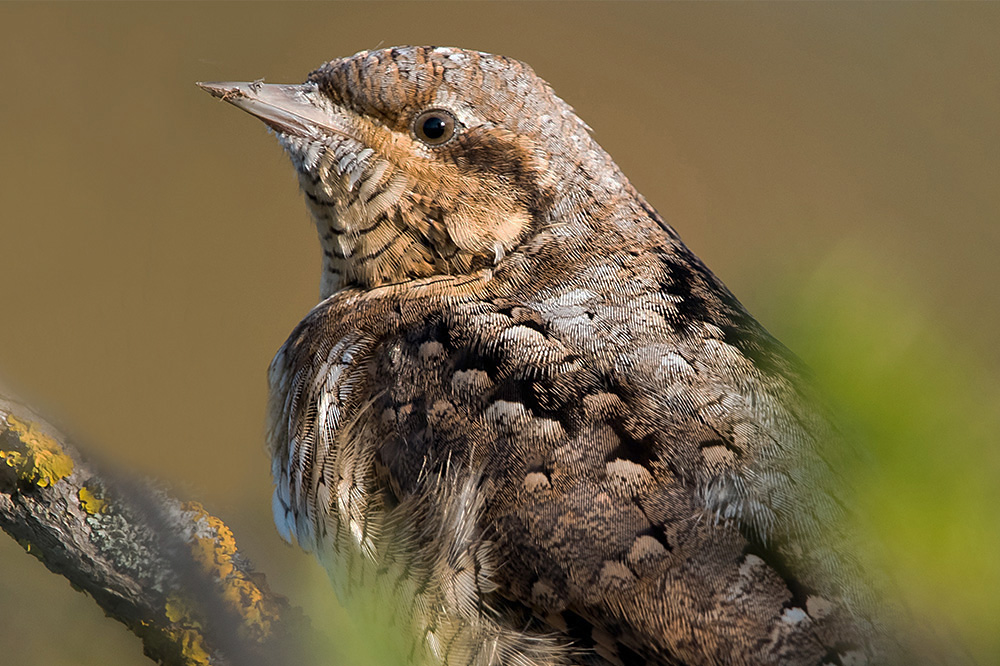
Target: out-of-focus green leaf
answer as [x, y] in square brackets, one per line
[925, 417]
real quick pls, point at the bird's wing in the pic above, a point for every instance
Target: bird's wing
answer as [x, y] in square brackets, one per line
[662, 471]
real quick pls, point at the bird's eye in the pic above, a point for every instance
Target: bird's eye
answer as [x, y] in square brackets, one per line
[434, 127]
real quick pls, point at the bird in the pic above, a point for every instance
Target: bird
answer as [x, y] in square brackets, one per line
[525, 424]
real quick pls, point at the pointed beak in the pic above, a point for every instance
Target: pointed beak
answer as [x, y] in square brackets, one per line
[284, 108]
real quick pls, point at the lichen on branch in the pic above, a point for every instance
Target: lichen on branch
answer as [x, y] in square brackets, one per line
[169, 570]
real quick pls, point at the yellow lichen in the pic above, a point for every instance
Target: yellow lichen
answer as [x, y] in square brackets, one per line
[193, 647]
[90, 502]
[240, 591]
[214, 554]
[178, 610]
[42, 461]
[186, 631]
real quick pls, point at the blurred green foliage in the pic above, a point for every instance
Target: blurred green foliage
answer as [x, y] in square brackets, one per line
[924, 415]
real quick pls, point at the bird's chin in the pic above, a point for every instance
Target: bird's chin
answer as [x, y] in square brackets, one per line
[305, 152]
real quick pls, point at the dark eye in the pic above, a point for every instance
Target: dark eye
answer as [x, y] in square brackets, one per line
[434, 127]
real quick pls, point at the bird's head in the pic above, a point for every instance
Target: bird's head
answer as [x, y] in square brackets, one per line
[422, 161]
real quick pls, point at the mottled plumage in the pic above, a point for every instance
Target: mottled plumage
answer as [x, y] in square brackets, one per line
[525, 413]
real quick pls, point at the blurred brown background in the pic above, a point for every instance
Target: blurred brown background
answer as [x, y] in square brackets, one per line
[838, 165]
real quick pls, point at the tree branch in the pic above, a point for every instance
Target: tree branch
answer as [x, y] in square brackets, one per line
[167, 569]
